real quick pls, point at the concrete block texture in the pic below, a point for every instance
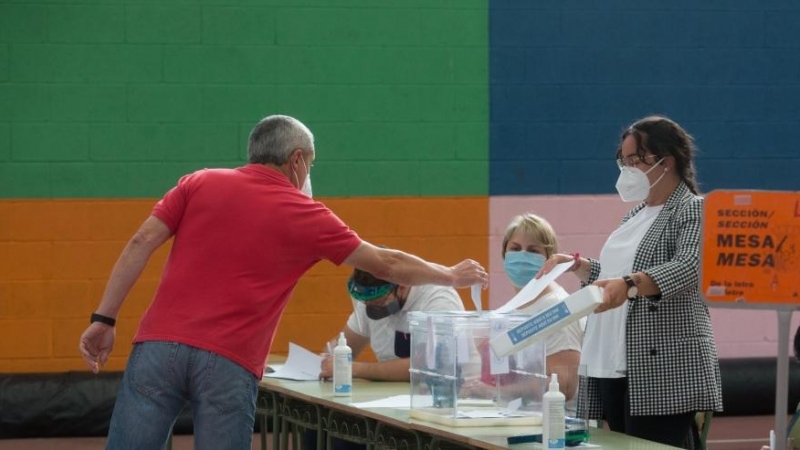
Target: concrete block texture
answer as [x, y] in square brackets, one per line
[57, 254]
[170, 86]
[567, 77]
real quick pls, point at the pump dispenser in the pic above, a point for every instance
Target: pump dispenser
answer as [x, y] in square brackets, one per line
[553, 426]
[343, 368]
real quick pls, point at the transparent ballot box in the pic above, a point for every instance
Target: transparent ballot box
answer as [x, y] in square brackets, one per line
[457, 380]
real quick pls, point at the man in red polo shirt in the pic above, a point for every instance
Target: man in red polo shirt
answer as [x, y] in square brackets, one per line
[242, 239]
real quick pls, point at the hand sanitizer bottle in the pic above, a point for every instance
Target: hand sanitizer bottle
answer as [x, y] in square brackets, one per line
[343, 368]
[553, 426]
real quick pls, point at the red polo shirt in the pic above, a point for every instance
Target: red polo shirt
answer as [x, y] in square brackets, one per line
[242, 239]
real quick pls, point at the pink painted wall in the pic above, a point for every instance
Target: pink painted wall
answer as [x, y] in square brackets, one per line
[583, 222]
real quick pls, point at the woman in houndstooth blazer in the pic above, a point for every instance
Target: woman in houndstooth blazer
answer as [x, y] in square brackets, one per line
[649, 348]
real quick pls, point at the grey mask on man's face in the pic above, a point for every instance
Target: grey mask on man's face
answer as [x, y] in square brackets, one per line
[376, 312]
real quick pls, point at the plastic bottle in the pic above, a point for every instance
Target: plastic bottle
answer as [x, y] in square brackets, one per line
[342, 368]
[553, 426]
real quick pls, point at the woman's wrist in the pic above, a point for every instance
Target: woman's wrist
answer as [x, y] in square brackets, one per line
[576, 263]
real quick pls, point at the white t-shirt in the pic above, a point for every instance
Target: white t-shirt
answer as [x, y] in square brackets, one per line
[382, 332]
[569, 337]
[604, 344]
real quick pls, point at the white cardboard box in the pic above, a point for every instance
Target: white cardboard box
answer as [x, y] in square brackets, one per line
[576, 306]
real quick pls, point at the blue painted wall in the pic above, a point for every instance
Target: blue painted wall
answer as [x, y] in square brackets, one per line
[566, 76]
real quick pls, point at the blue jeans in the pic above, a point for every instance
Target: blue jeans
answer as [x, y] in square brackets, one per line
[161, 377]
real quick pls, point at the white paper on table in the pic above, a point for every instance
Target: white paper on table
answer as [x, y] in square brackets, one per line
[273, 367]
[534, 288]
[397, 402]
[488, 414]
[300, 365]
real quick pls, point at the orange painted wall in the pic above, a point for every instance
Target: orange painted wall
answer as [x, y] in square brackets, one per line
[55, 256]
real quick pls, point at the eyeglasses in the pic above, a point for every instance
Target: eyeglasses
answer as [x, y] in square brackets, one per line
[632, 160]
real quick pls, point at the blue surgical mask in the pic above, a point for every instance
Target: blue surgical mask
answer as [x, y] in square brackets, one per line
[521, 266]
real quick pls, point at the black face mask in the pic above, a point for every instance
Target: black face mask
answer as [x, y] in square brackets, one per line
[383, 311]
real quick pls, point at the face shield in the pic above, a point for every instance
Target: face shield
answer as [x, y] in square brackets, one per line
[374, 298]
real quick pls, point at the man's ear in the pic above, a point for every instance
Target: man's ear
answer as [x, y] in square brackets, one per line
[295, 156]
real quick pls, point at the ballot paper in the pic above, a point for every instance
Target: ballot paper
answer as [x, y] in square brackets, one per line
[475, 293]
[300, 365]
[534, 288]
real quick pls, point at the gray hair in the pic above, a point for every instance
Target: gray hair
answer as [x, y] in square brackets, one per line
[274, 138]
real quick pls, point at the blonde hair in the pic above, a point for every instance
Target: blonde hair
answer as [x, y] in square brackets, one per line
[534, 227]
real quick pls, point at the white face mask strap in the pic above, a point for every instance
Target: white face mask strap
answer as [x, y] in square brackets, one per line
[659, 178]
[656, 164]
[294, 172]
[306, 188]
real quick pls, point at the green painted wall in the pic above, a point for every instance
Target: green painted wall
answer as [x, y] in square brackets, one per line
[118, 99]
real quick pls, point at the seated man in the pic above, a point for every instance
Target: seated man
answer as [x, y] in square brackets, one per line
[379, 319]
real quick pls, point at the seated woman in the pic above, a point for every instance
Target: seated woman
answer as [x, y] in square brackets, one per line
[529, 240]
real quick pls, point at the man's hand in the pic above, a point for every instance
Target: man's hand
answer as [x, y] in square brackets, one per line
[96, 344]
[615, 293]
[326, 368]
[467, 273]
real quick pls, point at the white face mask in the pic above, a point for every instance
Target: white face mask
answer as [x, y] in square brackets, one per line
[306, 188]
[633, 184]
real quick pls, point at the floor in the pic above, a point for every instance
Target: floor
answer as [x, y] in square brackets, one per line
[726, 433]
[740, 433]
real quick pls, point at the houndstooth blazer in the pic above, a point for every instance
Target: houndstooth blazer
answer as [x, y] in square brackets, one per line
[672, 358]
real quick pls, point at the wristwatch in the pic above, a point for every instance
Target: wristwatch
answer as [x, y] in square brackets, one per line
[633, 290]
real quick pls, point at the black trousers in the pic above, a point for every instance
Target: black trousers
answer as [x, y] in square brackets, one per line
[674, 429]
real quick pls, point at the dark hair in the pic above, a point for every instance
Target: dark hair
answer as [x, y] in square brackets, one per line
[367, 279]
[663, 137]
